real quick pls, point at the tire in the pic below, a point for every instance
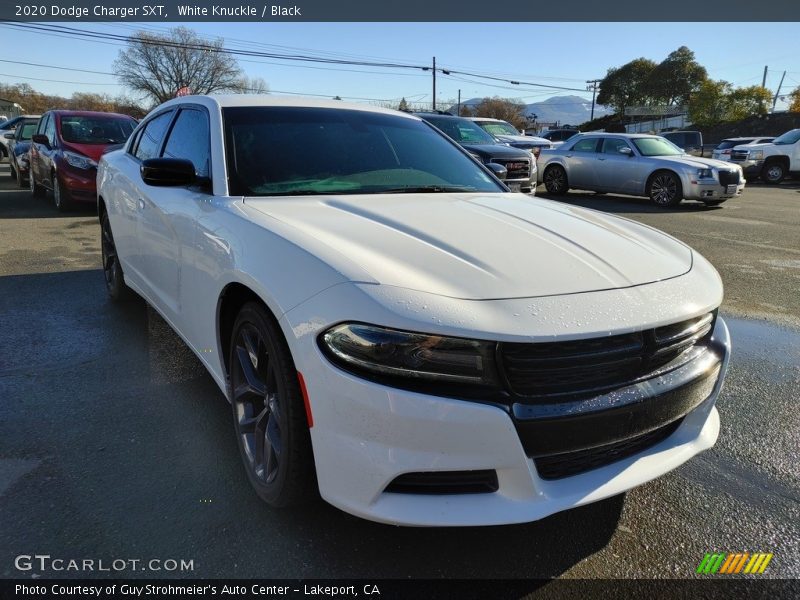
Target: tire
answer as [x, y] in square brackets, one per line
[665, 189]
[20, 180]
[118, 291]
[773, 173]
[555, 180]
[59, 198]
[12, 172]
[36, 189]
[268, 411]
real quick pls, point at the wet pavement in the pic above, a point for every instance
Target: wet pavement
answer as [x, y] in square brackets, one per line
[114, 442]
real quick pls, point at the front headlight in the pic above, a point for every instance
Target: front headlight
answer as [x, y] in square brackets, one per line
[79, 161]
[705, 174]
[405, 358]
[755, 155]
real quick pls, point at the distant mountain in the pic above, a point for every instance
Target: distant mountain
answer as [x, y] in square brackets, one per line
[566, 110]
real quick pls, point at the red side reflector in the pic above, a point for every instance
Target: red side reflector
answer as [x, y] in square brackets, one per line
[306, 403]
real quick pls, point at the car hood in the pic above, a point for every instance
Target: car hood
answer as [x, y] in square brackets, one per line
[524, 139]
[93, 151]
[694, 161]
[479, 246]
[756, 146]
[497, 151]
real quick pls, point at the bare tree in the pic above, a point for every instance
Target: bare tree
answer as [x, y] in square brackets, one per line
[252, 85]
[159, 65]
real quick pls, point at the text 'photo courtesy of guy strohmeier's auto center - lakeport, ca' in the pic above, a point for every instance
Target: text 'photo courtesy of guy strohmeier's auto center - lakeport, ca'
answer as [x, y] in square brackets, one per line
[431, 300]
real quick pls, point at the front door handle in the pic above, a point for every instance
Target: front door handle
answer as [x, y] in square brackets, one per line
[141, 204]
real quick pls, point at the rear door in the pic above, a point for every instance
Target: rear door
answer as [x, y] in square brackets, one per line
[580, 160]
[34, 152]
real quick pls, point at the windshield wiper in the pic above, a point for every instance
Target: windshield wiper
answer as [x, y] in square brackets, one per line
[428, 189]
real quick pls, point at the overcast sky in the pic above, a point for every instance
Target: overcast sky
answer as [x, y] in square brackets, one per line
[557, 54]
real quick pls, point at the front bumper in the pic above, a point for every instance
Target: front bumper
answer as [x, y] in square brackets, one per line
[751, 168]
[700, 189]
[79, 185]
[366, 435]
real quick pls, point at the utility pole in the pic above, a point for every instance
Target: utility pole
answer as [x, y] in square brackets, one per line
[780, 85]
[764, 79]
[434, 83]
[592, 85]
[459, 103]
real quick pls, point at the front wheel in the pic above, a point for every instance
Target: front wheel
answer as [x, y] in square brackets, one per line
[773, 173]
[555, 180]
[36, 189]
[665, 189]
[268, 411]
[59, 197]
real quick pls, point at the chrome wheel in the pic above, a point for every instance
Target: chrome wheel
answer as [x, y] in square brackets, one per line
[58, 197]
[665, 189]
[555, 180]
[773, 173]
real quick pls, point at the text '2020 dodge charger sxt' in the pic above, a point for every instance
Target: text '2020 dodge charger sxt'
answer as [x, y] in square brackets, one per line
[393, 327]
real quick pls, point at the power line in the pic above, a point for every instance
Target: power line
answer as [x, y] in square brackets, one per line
[55, 80]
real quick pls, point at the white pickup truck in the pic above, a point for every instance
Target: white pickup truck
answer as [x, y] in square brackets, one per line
[772, 162]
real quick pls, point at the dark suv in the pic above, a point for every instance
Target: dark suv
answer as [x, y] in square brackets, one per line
[519, 164]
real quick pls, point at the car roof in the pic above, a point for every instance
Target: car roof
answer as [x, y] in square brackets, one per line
[493, 120]
[746, 137]
[87, 113]
[629, 136]
[254, 100]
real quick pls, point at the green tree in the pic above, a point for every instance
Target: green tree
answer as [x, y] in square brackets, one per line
[628, 85]
[158, 65]
[403, 105]
[504, 109]
[675, 78]
[708, 105]
[748, 101]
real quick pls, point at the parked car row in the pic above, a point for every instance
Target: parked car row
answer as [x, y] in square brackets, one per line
[58, 151]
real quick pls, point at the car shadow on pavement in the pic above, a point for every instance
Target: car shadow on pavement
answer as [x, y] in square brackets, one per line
[626, 204]
[141, 457]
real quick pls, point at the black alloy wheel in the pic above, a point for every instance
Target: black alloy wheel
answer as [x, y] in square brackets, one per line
[555, 180]
[665, 189]
[112, 270]
[268, 411]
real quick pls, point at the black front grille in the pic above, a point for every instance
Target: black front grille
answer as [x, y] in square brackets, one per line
[568, 464]
[517, 168]
[739, 155]
[445, 482]
[576, 368]
[728, 177]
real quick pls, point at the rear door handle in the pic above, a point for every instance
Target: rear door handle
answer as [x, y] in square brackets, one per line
[141, 204]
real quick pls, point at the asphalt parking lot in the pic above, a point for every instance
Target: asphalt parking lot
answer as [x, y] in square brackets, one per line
[114, 443]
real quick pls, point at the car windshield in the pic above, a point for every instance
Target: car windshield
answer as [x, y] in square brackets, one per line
[725, 144]
[96, 130]
[463, 131]
[495, 128]
[27, 130]
[656, 146]
[284, 151]
[790, 137]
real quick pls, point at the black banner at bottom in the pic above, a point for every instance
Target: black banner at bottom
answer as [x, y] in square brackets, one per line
[390, 589]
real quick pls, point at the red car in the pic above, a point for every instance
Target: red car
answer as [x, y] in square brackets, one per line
[65, 150]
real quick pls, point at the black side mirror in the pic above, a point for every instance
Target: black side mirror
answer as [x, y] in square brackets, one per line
[499, 171]
[8, 136]
[40, 138]
[168, 172]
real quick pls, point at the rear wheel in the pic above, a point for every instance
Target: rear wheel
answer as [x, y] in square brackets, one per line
[118, 291]
[773, 173]
[20, 179]
[268, 411]
[665, 189]
[555, 180]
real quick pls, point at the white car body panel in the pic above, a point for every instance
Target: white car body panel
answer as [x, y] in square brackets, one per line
[493, 267]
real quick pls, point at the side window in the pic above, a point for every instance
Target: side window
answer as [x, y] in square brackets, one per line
[189, 139]
[151, 136]
[612, 145]
[134, 140]
[42, 123]
[50, 129]
[587, 145]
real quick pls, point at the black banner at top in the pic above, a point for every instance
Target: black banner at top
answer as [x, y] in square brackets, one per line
[659, 13]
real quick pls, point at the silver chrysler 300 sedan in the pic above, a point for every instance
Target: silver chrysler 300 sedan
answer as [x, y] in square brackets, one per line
[638, 165]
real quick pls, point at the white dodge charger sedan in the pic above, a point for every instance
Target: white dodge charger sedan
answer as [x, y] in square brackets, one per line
[394, 328]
